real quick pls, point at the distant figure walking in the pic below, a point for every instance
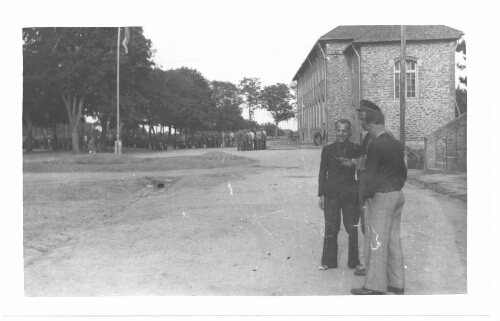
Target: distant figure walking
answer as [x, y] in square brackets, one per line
[92, 145]
[258, 139]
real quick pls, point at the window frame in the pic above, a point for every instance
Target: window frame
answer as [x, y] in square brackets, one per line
[414, 72]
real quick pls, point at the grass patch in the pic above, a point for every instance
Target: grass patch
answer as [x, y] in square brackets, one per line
[106, 162]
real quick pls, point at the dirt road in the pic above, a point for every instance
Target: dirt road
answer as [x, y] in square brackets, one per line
[254, 229]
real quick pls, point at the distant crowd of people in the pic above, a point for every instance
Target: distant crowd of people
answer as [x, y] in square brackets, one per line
[47, 142]
[244, 140]
[249, 140]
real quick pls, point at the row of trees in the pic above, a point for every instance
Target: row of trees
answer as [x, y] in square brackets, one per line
[70, 73]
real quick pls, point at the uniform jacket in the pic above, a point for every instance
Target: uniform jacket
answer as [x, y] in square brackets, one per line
[334, 177]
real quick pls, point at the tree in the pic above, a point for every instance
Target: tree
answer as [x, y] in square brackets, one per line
[35, 87]
[135, 69]
[278, 100]
[79, 64]
[227, 113]
[461, 90]
[249, 124]
[270, 128]
[250, 89]
[190, 96]
[151, 101]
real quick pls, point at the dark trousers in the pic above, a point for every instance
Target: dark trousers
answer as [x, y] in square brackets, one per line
[345, 204]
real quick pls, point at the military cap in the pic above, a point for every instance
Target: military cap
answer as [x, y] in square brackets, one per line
[366, 105]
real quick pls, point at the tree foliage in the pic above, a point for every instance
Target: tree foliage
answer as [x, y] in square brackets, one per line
[190, 96]
[250, 89]
[228, 106]
[79, 67]
[270, 128]
[279, 101]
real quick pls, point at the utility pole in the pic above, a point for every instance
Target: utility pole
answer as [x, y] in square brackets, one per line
[118, 147]
[402, 88]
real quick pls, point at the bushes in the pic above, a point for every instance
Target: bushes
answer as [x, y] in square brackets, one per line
[415, 158]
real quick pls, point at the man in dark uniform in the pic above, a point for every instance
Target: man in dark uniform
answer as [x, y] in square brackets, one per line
[258, 139]
[239, 140]
[244, 140]
[338, 192]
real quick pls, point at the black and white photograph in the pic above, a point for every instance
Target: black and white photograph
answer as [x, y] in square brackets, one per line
[250, 160]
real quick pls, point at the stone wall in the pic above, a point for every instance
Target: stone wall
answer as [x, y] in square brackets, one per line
[446, 147]
[434, 104]
[339, 89]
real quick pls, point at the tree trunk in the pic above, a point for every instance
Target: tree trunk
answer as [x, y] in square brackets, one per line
[149, 137]
[103, 140]
[276, 131]
[55, 139]
[74, 107]
[29, 135]
[75, 137]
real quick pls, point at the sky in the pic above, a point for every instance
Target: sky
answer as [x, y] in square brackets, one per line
[230, 40]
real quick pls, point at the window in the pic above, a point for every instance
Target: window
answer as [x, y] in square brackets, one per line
[411, 79]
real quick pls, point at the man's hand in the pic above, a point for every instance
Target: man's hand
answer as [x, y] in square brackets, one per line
[360, 163]
[321, 202]
[348, 162]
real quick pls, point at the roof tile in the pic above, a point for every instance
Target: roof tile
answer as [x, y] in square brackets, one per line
[378, 33]
[393, 33]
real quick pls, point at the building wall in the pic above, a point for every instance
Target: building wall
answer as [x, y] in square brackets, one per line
[433, 106]
[435, 101]
[339, 90]
[446, 147]
[353, 65]
[311, 97]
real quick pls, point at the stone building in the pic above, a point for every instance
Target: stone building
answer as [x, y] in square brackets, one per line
[351, 63]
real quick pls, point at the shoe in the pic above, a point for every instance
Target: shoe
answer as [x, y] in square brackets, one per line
[398, 291]
[322, 267]
[360, 270]
[365, 291]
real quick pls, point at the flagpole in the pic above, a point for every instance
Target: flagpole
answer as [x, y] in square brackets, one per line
[118, 149]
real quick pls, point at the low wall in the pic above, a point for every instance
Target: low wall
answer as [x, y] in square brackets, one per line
[446, 147]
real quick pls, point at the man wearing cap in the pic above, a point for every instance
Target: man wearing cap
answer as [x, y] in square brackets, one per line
[386, 173]
[365, 106]
[338, 192]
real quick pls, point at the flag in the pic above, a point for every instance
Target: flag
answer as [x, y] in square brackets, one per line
[126, 40]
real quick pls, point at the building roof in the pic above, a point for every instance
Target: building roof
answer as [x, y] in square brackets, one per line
[386, 33]
[393, 33]
[345, 32]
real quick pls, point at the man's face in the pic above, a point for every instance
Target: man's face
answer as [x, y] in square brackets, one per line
[362, 120]
[342, 132]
